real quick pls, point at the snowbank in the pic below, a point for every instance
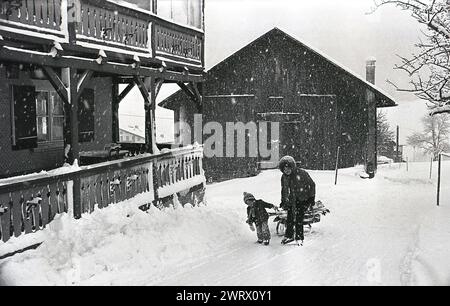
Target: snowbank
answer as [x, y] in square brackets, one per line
[121, 244]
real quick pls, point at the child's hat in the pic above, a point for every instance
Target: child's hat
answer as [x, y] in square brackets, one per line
[248, 196]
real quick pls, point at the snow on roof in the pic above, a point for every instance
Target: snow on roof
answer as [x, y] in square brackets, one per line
[135, 130]
[336, 63]
[316, 51]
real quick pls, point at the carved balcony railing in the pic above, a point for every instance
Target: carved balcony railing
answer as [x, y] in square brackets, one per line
[177, 44]
[28, 204]
[103, 24]
[39, 16]
[176, 172]
[115, 26]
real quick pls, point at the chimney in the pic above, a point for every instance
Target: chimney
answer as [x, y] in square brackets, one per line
[370, 70]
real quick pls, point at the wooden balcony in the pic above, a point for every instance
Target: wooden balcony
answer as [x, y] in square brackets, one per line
[122, 31]
[29, 203]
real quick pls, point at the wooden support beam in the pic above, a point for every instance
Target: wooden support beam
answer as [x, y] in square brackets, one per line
[143, 89]
[151, 88]
[187, 90]
[18, 55]
[147, 89]
[125, 92]
[82, 82]
[115, 111]
[159, 83]
[197, 87]
[123, 79]
[69, 87]
[62, 89]
[193, 92]
[70, 79]
[69, 76]
[56, 82]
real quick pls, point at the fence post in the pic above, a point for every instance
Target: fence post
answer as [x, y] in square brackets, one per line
[337, 165]
[155, 178]
[77, 209]
[70, 208]
[439, 178]
[431, 167]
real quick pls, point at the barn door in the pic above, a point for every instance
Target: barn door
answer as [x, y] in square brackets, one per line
[312, 139]
[322, 111]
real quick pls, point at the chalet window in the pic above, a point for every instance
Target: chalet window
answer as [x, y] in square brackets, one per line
[43, 122]
[142, 4]
[50, 116]
[187, 12]
[23, 109]
[86, 116]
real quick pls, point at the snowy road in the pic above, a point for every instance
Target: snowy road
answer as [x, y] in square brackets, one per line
[385, 231]
[372, 237]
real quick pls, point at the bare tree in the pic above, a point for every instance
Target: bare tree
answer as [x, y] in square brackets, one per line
[435, 136]
[385, 136]
[429, 67]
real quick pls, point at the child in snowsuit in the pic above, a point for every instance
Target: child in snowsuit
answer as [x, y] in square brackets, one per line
[256, 213]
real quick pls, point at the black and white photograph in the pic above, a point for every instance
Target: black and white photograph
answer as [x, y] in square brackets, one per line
[247, 145]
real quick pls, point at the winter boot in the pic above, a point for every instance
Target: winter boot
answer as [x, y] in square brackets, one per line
[260, 241]
[266, 242]
[287, 240]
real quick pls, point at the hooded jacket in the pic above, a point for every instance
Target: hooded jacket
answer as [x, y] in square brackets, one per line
[257, 212]
[297, 187]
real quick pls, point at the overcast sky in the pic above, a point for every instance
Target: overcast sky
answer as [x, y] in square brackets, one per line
[342, 29]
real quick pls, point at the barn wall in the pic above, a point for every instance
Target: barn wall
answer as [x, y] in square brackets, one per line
[46, 157]
[229, 110]
[183, 107]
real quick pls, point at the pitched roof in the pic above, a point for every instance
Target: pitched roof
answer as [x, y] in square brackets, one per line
[377, 90]
[135, 130]
[387, 100]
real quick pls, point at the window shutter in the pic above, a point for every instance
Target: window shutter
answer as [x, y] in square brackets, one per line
[24, 131]
[86, 116]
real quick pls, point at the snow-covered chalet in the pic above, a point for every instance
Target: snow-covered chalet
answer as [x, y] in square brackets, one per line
[65, 67]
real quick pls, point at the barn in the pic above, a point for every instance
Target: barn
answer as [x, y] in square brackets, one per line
[323, 113]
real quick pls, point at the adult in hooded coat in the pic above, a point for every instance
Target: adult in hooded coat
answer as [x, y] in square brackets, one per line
[298, 192]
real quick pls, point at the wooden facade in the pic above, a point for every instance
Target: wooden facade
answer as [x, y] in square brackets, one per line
[319, 105]
[65, 66]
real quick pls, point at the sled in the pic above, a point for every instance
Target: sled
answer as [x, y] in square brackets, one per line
[312, 215]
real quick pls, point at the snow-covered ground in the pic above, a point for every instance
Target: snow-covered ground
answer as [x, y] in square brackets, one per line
[385, 231]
